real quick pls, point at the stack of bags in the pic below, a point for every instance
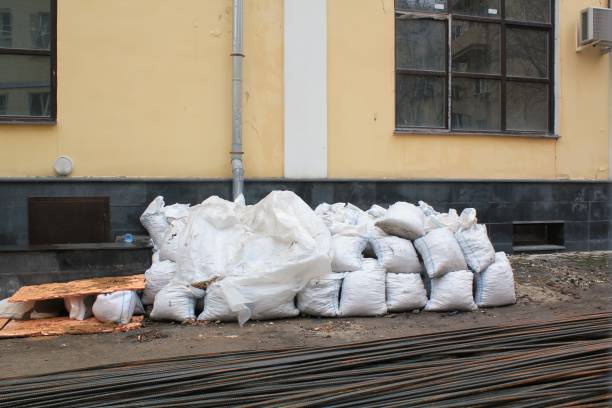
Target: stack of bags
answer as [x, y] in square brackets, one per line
[223, 260]
[454, 250]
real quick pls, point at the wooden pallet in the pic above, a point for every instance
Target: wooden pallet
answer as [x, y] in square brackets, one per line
[82, 287]
[58, 326]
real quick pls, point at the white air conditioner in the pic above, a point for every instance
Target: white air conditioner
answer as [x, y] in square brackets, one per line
[595, 28]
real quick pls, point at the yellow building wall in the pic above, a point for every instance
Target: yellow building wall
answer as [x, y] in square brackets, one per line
[361, 111]
[145, 91]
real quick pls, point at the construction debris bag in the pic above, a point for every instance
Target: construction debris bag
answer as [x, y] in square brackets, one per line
[474, 242]
[363, 291]
[348, 245]
[176, 302]
[451, 292]
[156, 278]
[495, 285]
[321, 296]
[440, 252]
[376, 212]
[17, 310]
[396, 254]
[79, 307]
[259, 254]
[340, 213]
[117, 307]
[216, 308]
[154, 220]
[403, 220]
[405, 292]
[168, 249]
[435, 219]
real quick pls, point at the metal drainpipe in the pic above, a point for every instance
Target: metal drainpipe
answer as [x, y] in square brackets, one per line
[237, 58]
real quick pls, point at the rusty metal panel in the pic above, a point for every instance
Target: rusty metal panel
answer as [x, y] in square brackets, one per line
[68, 220]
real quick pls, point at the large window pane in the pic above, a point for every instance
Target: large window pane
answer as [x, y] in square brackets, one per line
[24, 80]
[421, 5]
[529, 10]
[421, 44]
[419, 101]
[25, 24]
[475, 104]
[475, 47]
[527, 53]
[481, 8]
[527, 106]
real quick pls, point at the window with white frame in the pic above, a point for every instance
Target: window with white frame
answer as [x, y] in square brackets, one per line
[475, 65]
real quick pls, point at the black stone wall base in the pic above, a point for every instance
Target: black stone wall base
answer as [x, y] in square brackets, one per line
[584, 205]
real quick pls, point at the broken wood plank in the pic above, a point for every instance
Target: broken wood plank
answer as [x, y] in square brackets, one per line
[57, 326]
[3, 322]
[81, 287]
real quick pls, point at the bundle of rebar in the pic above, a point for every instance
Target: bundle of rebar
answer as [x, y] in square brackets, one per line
[564, 363]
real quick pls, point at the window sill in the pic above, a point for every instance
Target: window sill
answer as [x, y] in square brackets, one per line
[14, 120]
[441, 132]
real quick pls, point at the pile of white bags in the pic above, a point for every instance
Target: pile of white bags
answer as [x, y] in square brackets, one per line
[275, 259]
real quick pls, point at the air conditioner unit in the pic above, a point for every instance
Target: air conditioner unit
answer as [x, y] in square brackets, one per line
[595, 27]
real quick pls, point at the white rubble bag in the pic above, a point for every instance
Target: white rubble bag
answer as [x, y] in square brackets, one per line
[216, 307]
[403, 220]
[154, 220]
[260, 256]
[176, 212]
[435, 219]
[117, 307]
[495, 285]
[347, 247]
[176, 302]
[440, 252]
[363, 291]
[156, 278]
[396, 254]
[474, 242]
[340, 213]
[79, 307]
[376, 211]
[451, 292]
[405, 292]
[168, 249]
[321, 296]
[17, 310]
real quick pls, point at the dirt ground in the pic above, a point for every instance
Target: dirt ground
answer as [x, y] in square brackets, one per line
[548, 286]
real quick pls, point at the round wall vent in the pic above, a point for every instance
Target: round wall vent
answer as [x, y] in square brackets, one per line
[63, 166]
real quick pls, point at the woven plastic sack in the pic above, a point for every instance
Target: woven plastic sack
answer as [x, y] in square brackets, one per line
[376, 211]
[363, 291]
[168, 249]
[396, 254]
[495, 285]
[403, 220]
[79, 307]
[347, 249]
[435, 219]
[176, 302]
[217, 308]
[451, 292]
[440, 252]
[154, 220]
[405, 292]
[156, 278]
[117, 307]
[18, 310]
[321, 297]
[474, 242]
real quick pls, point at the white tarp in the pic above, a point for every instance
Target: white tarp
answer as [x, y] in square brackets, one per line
[262, 254]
